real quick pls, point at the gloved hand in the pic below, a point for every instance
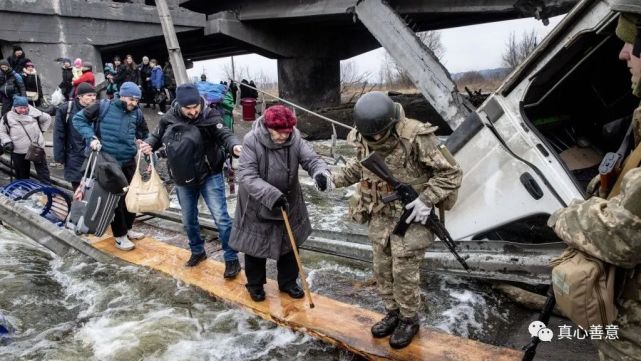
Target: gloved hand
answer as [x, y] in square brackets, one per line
[95, 145]
[281, 202]
[323, 181]
[420, 211]
[8, 147]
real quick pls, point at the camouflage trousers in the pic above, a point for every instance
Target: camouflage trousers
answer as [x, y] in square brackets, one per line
[628, 345]
[396, 261]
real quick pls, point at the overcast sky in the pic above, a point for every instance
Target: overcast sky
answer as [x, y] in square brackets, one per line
[475, 47]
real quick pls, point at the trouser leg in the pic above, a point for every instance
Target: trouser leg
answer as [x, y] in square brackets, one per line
[287, 270]
[255, 271]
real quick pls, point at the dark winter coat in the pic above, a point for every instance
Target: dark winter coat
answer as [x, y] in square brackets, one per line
[11, 83]
[211, 128]
[125, 73]
[145, 72]
[119, 129]
[170, 81]
[32, 83]
[245, 92]
[68, 144]
[66, 83]
[266, 171]
[18, 63]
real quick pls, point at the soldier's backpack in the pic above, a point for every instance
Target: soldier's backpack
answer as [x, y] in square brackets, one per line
[185, 149]
[584, 288]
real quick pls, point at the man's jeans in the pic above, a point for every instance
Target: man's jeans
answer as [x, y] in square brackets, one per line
[213, 192]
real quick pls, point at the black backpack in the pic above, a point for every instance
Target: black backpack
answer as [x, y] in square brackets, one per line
[186, 159]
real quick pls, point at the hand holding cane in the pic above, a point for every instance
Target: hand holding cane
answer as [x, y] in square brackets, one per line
[300, 265]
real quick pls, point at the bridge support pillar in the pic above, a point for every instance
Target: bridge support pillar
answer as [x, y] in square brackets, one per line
[311, 83]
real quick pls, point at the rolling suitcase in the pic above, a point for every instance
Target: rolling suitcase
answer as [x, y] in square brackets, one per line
[94, 212]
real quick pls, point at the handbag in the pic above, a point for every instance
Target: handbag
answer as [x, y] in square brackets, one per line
[146, 196]
[32, 96]
[35, 153]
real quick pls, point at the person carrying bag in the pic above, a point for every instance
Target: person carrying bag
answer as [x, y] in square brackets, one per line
[146, 196]
[21, 135]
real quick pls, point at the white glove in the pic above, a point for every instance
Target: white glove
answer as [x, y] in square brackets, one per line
[95, 145]
[420, 211]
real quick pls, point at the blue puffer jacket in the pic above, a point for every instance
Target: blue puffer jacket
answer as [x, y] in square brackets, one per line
[68, 144]
[157, 78]
[119, 129]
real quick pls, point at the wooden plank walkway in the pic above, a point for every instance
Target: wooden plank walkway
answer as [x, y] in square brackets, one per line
[344, 325]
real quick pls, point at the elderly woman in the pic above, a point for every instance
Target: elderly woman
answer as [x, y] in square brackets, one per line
[268, 178]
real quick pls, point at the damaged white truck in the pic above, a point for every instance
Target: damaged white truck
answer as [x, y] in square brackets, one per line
[531, 147]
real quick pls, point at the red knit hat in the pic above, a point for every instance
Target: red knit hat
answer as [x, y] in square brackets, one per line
[280, 119]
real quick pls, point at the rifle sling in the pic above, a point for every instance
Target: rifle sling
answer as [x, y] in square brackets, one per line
[633, 161]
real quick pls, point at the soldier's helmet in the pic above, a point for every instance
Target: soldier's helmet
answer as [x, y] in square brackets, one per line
[374, 113]
[629, 26]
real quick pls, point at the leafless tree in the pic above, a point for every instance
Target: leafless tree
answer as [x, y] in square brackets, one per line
[353, 83]
[516, 50]
[391, 73]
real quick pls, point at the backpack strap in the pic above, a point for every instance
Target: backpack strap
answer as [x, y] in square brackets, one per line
[104, 108]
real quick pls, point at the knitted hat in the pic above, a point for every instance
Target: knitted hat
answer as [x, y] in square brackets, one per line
[4, 62]
[145, 58]
[28, 64]
[130, 89]
[187, 94]
[280, 119]
[66, 60]
[20, 101]
[77, 63]
[85, 88]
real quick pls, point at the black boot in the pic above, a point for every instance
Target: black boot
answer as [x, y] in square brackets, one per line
[387, 325]
[232, 268]
[294, 291]
[404, 332]
[196, 259]
[256, 293]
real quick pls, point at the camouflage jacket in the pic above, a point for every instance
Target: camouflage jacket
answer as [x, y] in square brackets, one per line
[416, 160]
[607, 229]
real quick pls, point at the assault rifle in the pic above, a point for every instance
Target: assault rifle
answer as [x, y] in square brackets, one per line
[544, 316]
[406, 194]
[610, 166]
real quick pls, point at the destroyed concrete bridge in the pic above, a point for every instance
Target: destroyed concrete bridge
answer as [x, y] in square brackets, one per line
[308, 38]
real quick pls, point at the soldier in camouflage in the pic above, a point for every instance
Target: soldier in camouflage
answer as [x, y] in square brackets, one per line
[610, 229]
[412, 153]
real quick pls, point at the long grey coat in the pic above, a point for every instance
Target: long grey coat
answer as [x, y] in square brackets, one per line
[262, 177]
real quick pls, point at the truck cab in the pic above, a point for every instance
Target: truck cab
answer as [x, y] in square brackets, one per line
[534, 145]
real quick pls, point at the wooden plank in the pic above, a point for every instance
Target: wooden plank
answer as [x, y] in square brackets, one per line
[344, 325]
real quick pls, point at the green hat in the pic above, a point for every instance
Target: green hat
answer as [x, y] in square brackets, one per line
[627, 29]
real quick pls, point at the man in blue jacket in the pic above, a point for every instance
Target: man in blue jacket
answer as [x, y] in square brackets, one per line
[120, 127]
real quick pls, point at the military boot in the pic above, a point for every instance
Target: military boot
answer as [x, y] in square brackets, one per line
[404, 332]
[387, 325]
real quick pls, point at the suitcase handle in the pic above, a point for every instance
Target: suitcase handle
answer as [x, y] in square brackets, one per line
[92, 157]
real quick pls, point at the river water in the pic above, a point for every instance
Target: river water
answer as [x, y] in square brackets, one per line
[72, 308]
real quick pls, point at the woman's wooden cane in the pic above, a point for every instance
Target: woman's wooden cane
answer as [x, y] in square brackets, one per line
[300, 265]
